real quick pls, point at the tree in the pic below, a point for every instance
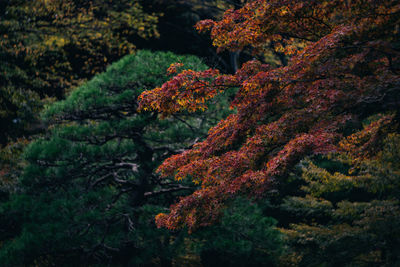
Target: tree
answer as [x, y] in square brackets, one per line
[47, 47]
[88, 193]
[347, 71]
[345, 211]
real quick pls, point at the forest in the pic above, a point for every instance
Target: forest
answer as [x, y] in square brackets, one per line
[200, 133]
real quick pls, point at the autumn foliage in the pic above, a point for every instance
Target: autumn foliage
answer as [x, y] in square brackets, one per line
[344, 67]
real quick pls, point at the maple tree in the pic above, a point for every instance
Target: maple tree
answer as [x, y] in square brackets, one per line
[343, 67]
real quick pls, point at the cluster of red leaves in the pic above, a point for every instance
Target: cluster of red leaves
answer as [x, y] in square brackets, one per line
[286, 22]
[189, 90]
[347, 70]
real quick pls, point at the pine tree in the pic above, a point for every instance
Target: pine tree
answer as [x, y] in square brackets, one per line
[88, 193]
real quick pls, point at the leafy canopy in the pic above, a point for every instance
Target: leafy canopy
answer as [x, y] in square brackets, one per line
[48, 47]
[347, 70]
[344, 210]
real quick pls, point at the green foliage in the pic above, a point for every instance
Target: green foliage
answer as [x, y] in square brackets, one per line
[347, 218]
[360, 234]
[88, 194]
[244, 237]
